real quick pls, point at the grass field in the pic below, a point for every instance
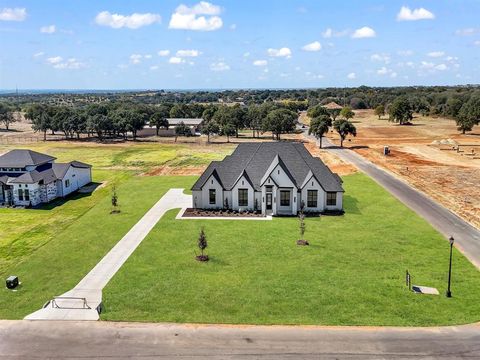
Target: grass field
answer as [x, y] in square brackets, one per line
[352, 274]
[77, 245]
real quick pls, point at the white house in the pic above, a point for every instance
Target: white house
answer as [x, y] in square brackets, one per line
[271, 177]
[29, 178]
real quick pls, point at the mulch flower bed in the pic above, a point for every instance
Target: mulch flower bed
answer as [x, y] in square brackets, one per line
[220, 213]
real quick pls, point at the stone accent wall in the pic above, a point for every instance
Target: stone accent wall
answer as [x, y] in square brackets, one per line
[48, 192]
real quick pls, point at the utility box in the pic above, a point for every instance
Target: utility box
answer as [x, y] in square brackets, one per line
[12, 282]
[386, 150]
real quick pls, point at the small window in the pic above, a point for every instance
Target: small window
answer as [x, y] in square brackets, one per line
[20, 195]
[242, 197]
[212, 196]
[284, 198]
[26, 194]
[67, 183]
[331, 198]
[278, 172]
[312, 198]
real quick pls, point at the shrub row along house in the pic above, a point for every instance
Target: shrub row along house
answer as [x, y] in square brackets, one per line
[29, 178]
[271, 177]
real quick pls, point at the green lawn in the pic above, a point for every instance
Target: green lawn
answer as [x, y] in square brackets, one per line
[352, 274]
[67, 241]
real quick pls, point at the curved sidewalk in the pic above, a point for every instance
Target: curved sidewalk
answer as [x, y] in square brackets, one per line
[90, 287]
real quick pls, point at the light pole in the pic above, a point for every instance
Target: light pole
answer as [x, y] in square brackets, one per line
[451, 240]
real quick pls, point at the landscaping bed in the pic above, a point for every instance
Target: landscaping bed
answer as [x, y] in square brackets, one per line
[190, 212]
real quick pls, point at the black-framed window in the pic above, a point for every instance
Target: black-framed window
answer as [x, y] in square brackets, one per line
[20, 194]
[26, 194]
[212, 196]
[312, 198]
[242, 197]
[331, 198]
[284, 198]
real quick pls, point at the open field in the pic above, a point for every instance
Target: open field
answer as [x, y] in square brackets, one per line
[353, 272]
[449, 177]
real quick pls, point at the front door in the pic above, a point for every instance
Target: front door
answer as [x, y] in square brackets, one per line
[269, 201]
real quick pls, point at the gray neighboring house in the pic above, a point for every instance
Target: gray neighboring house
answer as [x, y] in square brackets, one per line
[29, 178]
[271, 177]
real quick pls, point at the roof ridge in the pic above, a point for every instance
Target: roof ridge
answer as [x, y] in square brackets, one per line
[251, 157]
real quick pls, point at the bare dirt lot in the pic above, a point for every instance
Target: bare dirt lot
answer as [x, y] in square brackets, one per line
[423, 155]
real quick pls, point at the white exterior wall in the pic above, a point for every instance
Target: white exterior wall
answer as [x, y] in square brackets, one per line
[284, 183]
[313, 184]
[34, 193]
[339, 205]
[242, 183]
[78, 177]
[197, 199]
[212, 183]
[227, 196]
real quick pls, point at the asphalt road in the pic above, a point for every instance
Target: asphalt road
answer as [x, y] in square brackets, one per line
[85, 340]
[467, 237]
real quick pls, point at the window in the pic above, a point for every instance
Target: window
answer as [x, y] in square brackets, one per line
[242, 197]
[67, 183]
[20, 195]
[212, 197]
[331, 198]
[312, 197]
[284, 198]
[26, 194]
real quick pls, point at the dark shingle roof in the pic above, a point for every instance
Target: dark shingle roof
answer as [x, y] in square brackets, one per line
[255, 159]
[47, 176]
[20, 158]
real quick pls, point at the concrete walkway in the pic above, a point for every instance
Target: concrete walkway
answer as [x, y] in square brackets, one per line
[90, 287]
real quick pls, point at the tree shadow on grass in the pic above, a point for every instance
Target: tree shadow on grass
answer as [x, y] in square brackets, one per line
[351, 205]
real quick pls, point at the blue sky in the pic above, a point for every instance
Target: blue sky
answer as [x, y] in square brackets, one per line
[172, 44]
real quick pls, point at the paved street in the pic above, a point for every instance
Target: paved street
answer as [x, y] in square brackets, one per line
[90, 287]
[467, 237]
[52, 339]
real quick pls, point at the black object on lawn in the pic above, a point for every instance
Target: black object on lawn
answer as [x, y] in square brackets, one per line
[12, 282]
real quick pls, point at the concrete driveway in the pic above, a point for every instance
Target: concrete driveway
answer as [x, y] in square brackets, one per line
[71, 306]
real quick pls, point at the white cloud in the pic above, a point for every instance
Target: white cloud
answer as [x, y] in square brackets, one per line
[71, 63]
[148, 56]
[176, 60]
[136, 59]
[154, 67]
[54, 60]
[38, 54]
[282, 52]
[247, 54]
[383, 71]
[187, 53]
[49, 29]
[364, 32]
[192, 18]
[329, 33]
[476, 43]
[219, 66]
[381, 57]
[163, 53]
[393, 74]
[314, 46]
[436, 54]
[260, 63]
[406, 14]
[13, 14]
[427, 65]
[467, 31]
[441, 67]
[133, 21]
[352, 76]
